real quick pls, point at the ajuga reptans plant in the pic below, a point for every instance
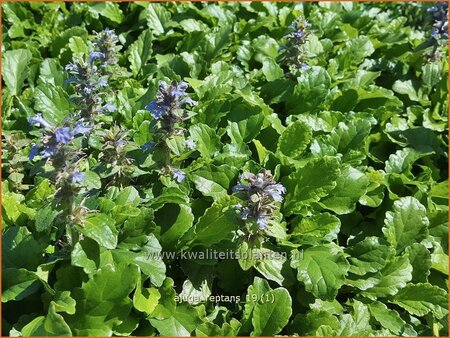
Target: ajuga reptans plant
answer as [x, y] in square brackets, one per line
[64, 156]
[90, 77]
[169, 111]
[439, 34]
[260, 196]
[294, 54]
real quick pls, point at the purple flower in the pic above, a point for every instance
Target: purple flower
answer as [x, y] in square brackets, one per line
[96, 55]
[63, 135]
[178, 175]
[299, 34]
[168, 98]
[275, 191]
[49, 150]
[109, 32]
[245, 214]
[33, 151]
[180, 90]
[109, 107]
[71, 67]
[190, 143]
[262, 222]
[88, 89]
[80, 129]
[102, 83]
[78, 177]
[121, 143]
[147, 146]
[261, 191]
[157, 110]
[189, 101]
[38, 120]
[304, 66]
[239, 187]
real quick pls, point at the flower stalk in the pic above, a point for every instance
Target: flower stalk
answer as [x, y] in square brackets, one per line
[261, 195]
[169, 111]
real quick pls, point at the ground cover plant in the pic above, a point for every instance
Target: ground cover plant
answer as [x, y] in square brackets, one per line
[224, 169]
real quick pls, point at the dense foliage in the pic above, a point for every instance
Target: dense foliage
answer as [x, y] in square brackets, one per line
[224, 169]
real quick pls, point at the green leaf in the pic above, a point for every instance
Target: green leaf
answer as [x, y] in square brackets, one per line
[421, 299]
[312, 89]
[51, 325]
[92, 180]
[407, 88]
[217, 224]
[63, 302]
[157, 18]
[15, 69]
[78, 46]
[244, 123]
[350, 139]
[206, 139]
[53, 102]
[175, 220]
[318, 227]
[20, 249]
[167, 302]
[431, 73]
[18, 284]
[271, 69]
[60, 43]
[195, 294]
[322, 269]
[389, 319]
[406, 224]
[86, 254]
[109, 10]
[420, 259]
[393, 277]
[271, 265]
[145, 299]
[209, 329]
[140, 51]
[355, 51]
[351, 185]
[51, 72]
[100, 228]
[369, 255]
[44, 218]
[356, 324]
[270, 317]
[265, 309]
[310, 323]
[295, 139]
[102, 302]
[439, 262]
[128, 196]
[310, 183]
[402, 160]
[182, 322]
[38, 196]
[213, 180]
[148, 258]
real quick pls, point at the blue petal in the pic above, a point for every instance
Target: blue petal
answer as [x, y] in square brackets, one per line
[33, 152]
[179, 175]
[80, 129]
[78, 177]
[63, 135]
